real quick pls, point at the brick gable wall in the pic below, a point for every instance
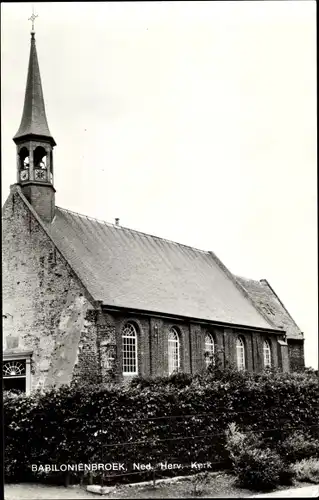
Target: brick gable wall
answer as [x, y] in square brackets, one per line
[46, 307]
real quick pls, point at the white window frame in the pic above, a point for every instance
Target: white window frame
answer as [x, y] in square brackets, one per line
[267, 354]
[209, 349]
[240, 354]
[23, 356]
[125, 354]
[173, 353]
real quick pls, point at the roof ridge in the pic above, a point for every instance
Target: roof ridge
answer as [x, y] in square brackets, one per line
[132, 230]
[237, 276]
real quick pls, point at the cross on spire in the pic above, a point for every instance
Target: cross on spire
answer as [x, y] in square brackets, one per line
[32, 18]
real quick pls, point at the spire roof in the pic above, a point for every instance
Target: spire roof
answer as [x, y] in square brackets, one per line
[33, 119]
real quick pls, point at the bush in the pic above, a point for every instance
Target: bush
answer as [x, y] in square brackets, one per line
[237, 441]
[199, 484]
[181, 418]
[307, 470]
[261, 469]
[255, 467]
[299, 446]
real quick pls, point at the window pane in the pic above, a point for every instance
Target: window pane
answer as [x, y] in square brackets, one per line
[129, 349]
[209, 350]
[13, 368]
[14, 384]
[173, 351]
[240, 350]
[267, 354]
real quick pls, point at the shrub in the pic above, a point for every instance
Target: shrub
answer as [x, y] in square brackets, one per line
[261, 469]
[299, 446]
[199, 484]
[255, 467]
[237, 441]
[307, 470]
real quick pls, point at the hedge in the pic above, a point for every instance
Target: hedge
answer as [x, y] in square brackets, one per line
[178, 419]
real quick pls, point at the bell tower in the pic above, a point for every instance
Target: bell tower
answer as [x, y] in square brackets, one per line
[35, 143]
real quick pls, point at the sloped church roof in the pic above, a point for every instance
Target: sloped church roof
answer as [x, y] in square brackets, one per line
[126, 268]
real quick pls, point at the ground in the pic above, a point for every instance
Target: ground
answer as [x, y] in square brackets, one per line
[222, 485]
[304, 492]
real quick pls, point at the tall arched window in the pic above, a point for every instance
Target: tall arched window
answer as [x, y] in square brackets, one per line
[129, 349]
[173, 351]
[209, 349]
[240, 353]
[267, 354]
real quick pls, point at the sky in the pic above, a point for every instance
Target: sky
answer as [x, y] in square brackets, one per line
[193, 121]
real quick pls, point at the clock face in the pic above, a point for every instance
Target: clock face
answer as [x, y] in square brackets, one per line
[40, 175]
[24, 175]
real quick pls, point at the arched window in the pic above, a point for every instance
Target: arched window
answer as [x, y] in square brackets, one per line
[16, 375]
[209, 349]
[173, 351]
[40, 157]
[240, 353]
[24, 158]
[129, 349]
[267, 354]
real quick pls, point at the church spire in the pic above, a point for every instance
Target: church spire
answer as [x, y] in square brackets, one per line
[35, 143]
[34, 121]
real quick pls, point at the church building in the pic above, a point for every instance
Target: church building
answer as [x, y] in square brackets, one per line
[88, 301]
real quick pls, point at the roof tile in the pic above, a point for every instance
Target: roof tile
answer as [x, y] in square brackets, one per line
[266, 300]
[126, 268]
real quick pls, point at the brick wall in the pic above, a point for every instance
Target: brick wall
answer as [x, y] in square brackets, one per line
[296, 354]
[42, 198]
[88, 363]
[153, 344]
[258, 345]
[45, 304]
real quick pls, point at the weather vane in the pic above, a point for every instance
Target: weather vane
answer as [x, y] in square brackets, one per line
[32, 18]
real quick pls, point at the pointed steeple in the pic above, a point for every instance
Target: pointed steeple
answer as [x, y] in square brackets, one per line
[34, 121]
[35, 144]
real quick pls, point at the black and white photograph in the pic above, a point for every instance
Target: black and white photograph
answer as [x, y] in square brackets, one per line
[159, 250]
